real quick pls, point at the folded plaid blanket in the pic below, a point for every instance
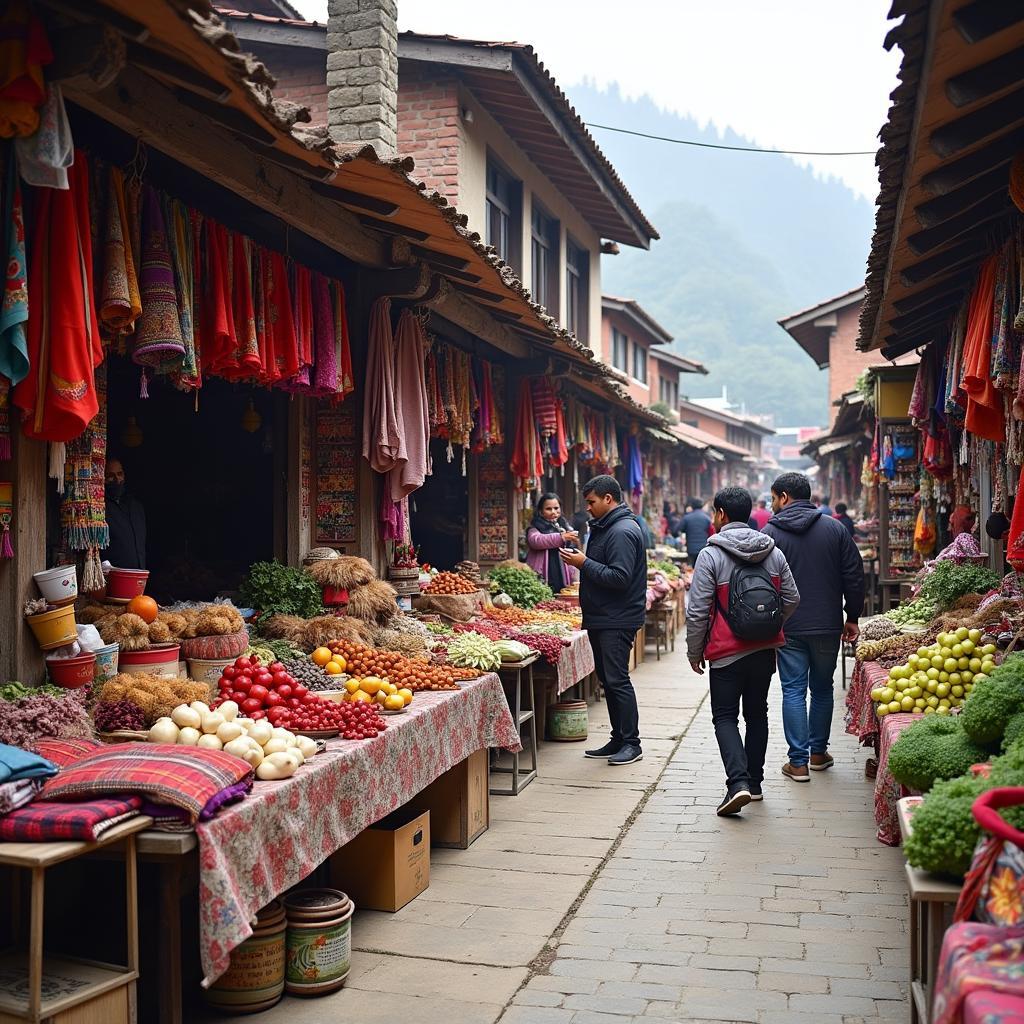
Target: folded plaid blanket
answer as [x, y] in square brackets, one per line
[56, 822]
[16, 794]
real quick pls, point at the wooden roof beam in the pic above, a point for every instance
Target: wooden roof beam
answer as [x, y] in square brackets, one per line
[957, 256]
[979, 124]
[177, 72]
[380, 207]
[941, 311]
[934, 212]
[986, 79]
[995, 206]
[954, 283]
[954, 174]
[984, 18]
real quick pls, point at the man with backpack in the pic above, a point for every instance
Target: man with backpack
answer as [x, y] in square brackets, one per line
[829, 570]
[741, 593]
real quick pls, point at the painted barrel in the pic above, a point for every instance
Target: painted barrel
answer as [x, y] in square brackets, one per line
[568, 721]
[255, 980]
[319, 941]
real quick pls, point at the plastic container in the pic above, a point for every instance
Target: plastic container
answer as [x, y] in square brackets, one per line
[255, 979]
[71, 673]
[55, 628]
[124, 584]
[208, 670]
[160, 660]
[319, 941]
[568, 721]
[58, 585]
[106, 663]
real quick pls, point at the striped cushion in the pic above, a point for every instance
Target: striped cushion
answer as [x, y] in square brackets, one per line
[185, 777]
[65, 752]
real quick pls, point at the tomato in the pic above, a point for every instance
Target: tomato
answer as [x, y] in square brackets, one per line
[238, 697]
[243, 663]
[264, 678]
[258, 692]
[257, 715]
[276, 714]
[229, 672]
[300, 691]
[278, 666]
[284, 690]
[251, 704]
[242, 682]
[273, 700]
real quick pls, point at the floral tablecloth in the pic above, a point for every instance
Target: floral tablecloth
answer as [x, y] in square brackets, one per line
[861, 720]
[574, 665]
[257, 849]
[887, 790]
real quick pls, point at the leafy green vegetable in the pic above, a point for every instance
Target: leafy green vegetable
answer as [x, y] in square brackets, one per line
[993, 702]
[16, 690]
[523, 585]
[275, 589]
[931, 750]
[948, 582]
[1014, 730]
[944, 832]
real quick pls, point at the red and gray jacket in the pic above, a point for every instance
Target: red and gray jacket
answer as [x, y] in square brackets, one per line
[708, 635]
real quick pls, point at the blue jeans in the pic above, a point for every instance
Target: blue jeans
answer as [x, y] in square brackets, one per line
[807, 662]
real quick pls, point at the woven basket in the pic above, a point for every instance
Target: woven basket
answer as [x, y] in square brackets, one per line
[125, 736]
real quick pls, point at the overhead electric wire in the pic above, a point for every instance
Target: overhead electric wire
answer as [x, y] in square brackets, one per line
[733, 149]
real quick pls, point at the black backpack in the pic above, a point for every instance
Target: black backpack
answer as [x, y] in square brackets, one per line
[755, 605]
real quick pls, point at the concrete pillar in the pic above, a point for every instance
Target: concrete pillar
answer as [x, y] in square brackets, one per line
[362, 73]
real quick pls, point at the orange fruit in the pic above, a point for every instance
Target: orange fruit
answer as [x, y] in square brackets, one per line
[145, 607]
[340, 659]
[351, 685]
[321, 656]
[332, 668]
[406, 694]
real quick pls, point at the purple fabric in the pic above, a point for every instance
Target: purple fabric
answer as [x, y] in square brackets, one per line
[539, 544]
[229, 795]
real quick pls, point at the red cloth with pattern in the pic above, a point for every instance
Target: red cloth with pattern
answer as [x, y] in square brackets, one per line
[985, 416]
[545, 406]
[861, 720]
[217, 324]
[66, 752]
[979, 959]
[58, 396]
[59, 822]
[185, 777]
[888, 791]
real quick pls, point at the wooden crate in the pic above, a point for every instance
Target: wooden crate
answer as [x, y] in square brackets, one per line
[459, 803]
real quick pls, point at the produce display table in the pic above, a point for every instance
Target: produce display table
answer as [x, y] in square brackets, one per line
[39, 987]
[932, 900]
[574, 665]
[861, 720]
[256, 849]
[888, 791]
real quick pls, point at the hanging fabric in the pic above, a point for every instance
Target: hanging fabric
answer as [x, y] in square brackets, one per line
[984, 410]
[247, 360]
[282, 361]
[24, 51]
[346, 380]
[411, 407]
[180, 237]
[45, 156]
[383, 445]
[6, 519]
[14, 312]
[526, 463]
[120, 301]
[218, 345]
[58, 396]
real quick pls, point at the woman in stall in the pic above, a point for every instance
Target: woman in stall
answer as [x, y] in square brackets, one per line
[548, 532]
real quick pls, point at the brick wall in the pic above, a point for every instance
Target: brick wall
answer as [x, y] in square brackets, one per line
[845, 362]
[301, 76]
[430, 128]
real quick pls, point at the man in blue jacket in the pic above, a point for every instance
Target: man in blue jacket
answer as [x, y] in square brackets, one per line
[829, 574]
[613, 599]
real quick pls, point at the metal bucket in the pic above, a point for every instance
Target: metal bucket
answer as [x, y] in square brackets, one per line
[568, 721]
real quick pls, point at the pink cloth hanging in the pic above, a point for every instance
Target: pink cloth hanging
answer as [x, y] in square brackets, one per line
[383, 444]
[411, 406]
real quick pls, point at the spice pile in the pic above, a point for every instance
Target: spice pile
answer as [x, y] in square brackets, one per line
[29, 714]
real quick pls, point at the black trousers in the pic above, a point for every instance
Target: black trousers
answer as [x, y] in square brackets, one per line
[746, 680]
[612, 648]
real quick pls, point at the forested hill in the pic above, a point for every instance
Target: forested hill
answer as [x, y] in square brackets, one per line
[745, 239]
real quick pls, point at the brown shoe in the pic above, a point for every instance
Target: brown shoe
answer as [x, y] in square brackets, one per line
[820, 762]
[798, 773]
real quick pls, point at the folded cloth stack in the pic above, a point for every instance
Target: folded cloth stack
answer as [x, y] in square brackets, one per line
[21, 777]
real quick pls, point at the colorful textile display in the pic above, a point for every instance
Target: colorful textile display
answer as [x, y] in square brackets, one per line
[16, 794]
[58, 396]
[120, 301]
[526, 463]
[984, 406]
[411, 407]
[14, 311]
[45, 156]
[383, 445]
[24, 51]
[343, 351]
[17, 764]
[976, 957]
[84, 821]
[180, 226]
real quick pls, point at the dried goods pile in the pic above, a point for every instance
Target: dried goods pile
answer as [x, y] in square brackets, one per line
[450, 583]
[411, 673]
[155, 696]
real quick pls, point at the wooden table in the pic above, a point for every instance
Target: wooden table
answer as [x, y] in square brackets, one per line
[523, 713]
[102, 992]
[932, 900]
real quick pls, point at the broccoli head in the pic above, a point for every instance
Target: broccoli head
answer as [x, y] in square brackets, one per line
[1014, 730]
[932, 749]
[1008, 770]
[944, 832]
[992, 703]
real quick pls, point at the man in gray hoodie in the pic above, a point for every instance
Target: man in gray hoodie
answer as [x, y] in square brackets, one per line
[741, 667]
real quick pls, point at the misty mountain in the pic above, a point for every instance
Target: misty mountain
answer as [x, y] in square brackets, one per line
[746, 238]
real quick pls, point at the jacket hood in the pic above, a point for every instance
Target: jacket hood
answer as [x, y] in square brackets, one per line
[743, 543]
[797, 517]
[612, 517]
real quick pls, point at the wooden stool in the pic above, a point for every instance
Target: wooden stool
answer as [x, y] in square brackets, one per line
[524, 714]
[661, 620]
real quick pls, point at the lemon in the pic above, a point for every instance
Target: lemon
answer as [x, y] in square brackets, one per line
[393, 702]
[332, 668]
[371, 685]
[406, 695]
[351, 685]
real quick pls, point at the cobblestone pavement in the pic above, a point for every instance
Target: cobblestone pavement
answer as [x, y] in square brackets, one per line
[792, 913]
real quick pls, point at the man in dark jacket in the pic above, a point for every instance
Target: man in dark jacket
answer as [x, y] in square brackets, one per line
[126, 518]
[613, 599]
[695, 528]
[829, 572]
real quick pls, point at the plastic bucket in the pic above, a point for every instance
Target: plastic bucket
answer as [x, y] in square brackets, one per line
[160, 660]
[71, 673]
[319, 941]
[255, 979]
[568, 721]
[58, 585]
[124, 584]
[207, 670]
[54, 628]
[106, 663]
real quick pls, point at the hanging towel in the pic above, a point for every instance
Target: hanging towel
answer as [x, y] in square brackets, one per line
[83, 506]
[45, 156]
[217, 342]
[383, 444]
[58, 396]
[120, 302]
[24, 51]
[246, 359]
[411, 406]
[179, 223]
[14, 313]
[325, 375]
[984, 404]
[157, 342]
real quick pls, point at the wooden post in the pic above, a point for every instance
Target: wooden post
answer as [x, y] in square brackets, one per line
[19, 655]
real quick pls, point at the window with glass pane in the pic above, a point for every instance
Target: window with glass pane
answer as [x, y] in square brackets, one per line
[577, 267]
[502, 207]
[620, 350]
[544, 283]
[640, 364]
[668, 392]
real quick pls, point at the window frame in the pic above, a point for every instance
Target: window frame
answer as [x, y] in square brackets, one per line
[506, 208]
[545, 240]
[640, 356]
[577, 288]
[668, 391]
[617, 337]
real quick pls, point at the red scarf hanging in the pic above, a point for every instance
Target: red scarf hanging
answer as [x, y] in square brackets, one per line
[984, 404]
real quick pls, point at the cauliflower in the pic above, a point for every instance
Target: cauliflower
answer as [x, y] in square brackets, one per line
[944, 832]
[988, 710]
[931, 750]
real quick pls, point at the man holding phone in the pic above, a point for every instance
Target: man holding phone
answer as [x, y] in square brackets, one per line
[613, 598]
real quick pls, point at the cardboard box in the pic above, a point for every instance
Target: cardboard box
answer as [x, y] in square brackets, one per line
[458, 802]
[387, 865]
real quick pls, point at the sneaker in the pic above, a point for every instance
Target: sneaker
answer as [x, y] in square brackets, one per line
[735, 800]
[610, 748]
[755, 792]
[627, 755]
[821, 762]
[796, 772]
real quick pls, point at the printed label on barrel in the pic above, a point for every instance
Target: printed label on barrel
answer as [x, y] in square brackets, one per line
[256, 964]
[316, 957]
